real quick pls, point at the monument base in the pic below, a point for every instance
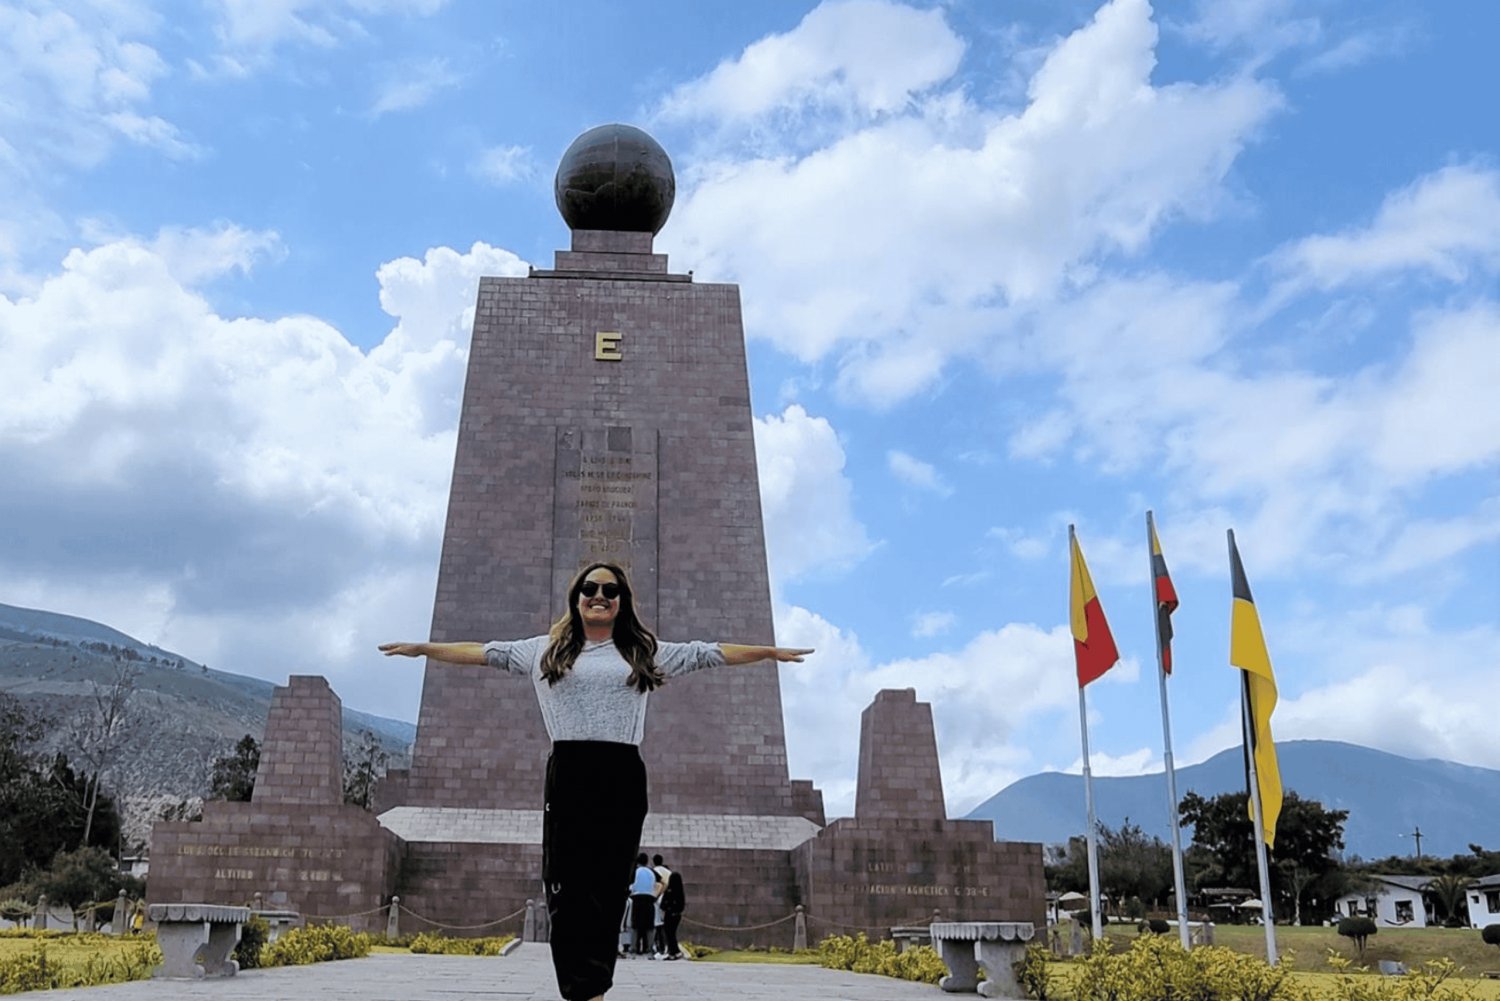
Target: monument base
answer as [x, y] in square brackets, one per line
[325, 862]
[875, 875]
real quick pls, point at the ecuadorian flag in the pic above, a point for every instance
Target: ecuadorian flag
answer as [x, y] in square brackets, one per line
[1093, 646]
[1166, 597]
[1247, 651]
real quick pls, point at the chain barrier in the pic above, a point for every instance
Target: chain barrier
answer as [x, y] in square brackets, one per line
[344, 917]
[844, 927]
[768, 924]
[438, 924]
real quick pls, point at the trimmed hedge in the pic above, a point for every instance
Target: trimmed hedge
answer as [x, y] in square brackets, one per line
[315, 944]
[859, 954]
[445, 946]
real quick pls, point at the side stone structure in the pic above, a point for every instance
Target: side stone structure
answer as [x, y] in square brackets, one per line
[296, 842]
[899, 858]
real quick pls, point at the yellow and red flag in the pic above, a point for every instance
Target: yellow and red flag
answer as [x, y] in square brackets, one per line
[1093, 646]
[1247, 651]
[1166, 599]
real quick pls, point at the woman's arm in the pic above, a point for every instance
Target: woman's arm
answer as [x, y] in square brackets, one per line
[735, 653]
[453, 653]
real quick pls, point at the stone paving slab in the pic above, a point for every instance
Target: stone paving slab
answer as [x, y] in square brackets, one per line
[524, 975]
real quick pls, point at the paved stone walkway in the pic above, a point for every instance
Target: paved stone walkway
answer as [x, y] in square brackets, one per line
[524, 975]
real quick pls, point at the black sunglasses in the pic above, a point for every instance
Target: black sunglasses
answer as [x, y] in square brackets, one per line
[589, 588]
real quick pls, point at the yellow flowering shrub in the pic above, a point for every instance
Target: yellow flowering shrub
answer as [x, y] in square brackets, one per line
[315, 944]
[443, 945]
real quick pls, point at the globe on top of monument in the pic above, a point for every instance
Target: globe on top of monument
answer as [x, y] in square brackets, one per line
[615, 177]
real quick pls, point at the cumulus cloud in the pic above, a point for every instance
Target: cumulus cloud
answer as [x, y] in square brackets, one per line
[412, 84]
[932, 624]
[1445, 224]
[864, 57]
[806, 498]
[977, 737]
[979, 209]
[502, 165]
[916, 473]
[254, 476]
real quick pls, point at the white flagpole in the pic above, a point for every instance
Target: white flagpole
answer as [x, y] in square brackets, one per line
[1267, 916]
[1093, 837]
[1179, 879]
[1088, 795]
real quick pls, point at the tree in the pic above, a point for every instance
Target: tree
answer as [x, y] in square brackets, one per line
[1308, 837]
[100, 728]
[43, 802]
[364, 771]
[1131, 865]
[1359, 929]
[234, 773]
[1451, 893]
[79, 877]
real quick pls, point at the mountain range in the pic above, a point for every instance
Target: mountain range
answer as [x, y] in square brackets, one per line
[184, 715]
[181, 716]
[1388, 797]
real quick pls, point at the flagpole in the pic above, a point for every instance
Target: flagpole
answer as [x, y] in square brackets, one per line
[1247, 726]
[1088, 795]
[1178, 877]
[1093, 839]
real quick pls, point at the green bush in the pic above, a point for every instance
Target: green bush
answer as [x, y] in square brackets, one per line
[1034, 974]
[1491, 934]
[920, 962]
[33, 971]
[253, 935]
[445, 946]
[1156, 967]
[315, 944]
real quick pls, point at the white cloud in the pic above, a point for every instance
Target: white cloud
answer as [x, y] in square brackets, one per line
[1020, 544]
[856, 56]
[502, 165]
[250, 476]
[1142, 761]
[257, 26]
[1386, 679]
[977, 737]
[806, 499]
[916, 473]
[1445, 224]
[932, 624]
[977, 208]
[413, 84]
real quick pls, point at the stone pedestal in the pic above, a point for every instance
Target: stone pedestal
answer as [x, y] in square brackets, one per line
[296, 843]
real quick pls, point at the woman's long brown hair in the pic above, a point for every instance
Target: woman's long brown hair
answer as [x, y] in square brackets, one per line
[636, 643]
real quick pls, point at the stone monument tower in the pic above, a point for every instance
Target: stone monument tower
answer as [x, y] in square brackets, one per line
[606, 415]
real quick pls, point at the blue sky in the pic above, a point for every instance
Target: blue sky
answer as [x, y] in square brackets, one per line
[1005, 266]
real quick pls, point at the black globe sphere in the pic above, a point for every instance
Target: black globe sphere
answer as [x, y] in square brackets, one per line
[615, 177]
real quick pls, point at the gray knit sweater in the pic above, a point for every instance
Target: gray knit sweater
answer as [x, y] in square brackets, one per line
[592, 701]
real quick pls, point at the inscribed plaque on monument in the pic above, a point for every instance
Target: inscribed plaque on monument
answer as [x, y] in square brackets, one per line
[605, 506]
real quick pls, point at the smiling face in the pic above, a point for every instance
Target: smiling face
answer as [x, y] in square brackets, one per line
[598, 610]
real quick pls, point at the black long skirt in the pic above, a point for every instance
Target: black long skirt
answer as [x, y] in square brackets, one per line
[591, 831]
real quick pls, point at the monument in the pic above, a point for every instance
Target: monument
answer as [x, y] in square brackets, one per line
[606, 416]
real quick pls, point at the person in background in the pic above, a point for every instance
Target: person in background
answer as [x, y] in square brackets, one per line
[659, 941]
[673, 903]
[643, 906]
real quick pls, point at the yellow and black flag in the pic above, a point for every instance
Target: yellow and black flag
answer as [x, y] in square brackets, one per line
[1247, 651]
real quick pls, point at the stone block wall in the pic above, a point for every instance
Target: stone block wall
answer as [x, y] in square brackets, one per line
[899, 775]
[873, 875]
[325, 862]
[302, 753]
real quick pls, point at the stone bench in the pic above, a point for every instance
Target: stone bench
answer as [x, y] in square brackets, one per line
[995, 945]
[277, 922]
[196, 940]
[906, 936]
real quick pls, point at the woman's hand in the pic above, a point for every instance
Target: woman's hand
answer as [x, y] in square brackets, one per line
[453, 653]
[735, 653]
